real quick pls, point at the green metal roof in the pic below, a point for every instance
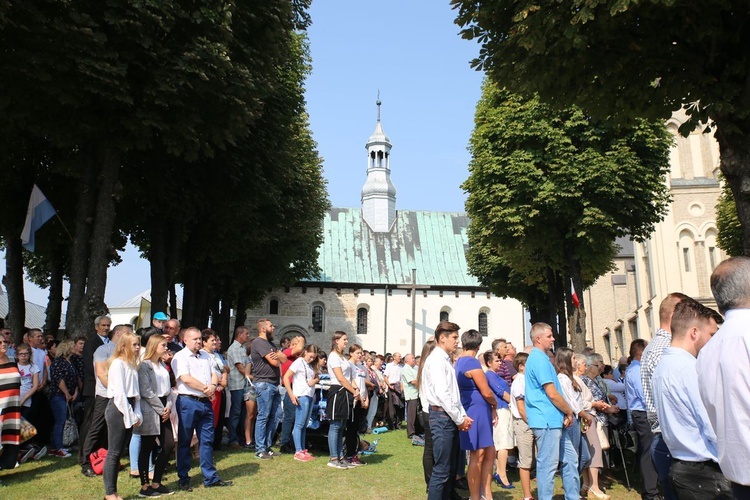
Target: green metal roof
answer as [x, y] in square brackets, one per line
[433, 243]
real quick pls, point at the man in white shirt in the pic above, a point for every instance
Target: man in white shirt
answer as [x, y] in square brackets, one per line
[724, 380]
[683, 420]
[447, 414]
[95, 435]
[196, 385]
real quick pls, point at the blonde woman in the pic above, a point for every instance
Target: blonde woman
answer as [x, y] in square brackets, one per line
[124, 408]
[154, 385]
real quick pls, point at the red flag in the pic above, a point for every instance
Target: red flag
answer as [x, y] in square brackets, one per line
[574, 295]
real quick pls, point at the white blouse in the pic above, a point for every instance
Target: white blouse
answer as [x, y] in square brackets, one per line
[123, 384]
[303, 373]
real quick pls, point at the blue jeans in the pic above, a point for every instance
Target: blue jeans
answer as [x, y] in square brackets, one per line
[236, 415]
[301, 416]
[584, 455]
[444, 451]
[287, 423]
[662, 462]
[552, 447]
[199, 417]
[60, 413]
[569, 457]
[265, 423]
[336, 438]
[134, 450]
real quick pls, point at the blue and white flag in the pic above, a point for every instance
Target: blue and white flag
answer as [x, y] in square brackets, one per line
[40, 211]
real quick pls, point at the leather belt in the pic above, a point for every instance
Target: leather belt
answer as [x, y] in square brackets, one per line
[195, 398]
[437, 408]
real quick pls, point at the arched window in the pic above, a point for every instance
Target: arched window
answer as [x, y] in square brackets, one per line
[318, 317]
[273, 306]
[445, 313]
[483, 329]
[362, 321]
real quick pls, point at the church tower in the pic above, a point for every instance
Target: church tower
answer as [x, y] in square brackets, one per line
[379, 193]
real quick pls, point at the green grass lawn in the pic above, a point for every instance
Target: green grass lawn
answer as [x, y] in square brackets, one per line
[394, 472]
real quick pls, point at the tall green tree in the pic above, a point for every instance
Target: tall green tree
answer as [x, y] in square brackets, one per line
[109, 78]
[550, 190]
[729, 238]
[621, 59]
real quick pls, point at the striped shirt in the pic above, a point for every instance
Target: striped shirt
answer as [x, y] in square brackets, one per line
[10, 404]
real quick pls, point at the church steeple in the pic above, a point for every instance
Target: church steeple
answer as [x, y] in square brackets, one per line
[379, 193]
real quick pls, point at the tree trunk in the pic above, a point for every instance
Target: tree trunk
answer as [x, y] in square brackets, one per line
[240, 315]
[101, 236]
[170, 265]
[75, 322]
[13, 281]
[189, 297]
[577, 316]
[203, 296]
[226, 314]
[157, 259]
[55, 300]
[734, 148]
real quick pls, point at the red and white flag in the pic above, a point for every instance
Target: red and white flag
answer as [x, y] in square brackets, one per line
[574, 295]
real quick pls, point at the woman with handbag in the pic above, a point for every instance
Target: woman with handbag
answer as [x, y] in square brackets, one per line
[587, 369]
[154, 387]
[63, 391]
[340, 400]
[123, 411]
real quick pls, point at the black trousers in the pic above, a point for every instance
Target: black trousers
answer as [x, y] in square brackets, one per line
[351, 433]
[88, 413]
[41, 418]
[645, 438]
[699, 481]
[428, 460]
[740, 491]
[394, 408]
[96, 434]
[412, 408]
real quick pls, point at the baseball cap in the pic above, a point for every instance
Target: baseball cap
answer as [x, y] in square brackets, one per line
[160, 316]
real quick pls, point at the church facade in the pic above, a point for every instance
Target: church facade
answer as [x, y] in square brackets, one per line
[389, 276]
[679, 256]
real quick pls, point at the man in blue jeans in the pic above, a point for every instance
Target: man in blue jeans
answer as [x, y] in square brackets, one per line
[267, 360]
[196, 385]
[547, 414]
[447, 415]
[237, 359]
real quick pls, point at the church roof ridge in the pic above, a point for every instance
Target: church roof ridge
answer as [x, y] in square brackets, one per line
[432, 242]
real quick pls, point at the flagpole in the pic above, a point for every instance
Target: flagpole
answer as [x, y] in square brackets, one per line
[64, 227]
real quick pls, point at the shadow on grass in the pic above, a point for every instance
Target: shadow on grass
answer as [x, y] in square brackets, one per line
[235, 471]
[376, 458]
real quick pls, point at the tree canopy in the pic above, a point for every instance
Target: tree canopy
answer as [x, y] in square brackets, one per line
[550, 190]
[623, 59]
[179, 125]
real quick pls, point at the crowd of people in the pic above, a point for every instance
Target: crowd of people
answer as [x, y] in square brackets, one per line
[164, 392]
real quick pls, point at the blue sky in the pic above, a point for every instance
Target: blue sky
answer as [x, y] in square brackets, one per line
[412, 53]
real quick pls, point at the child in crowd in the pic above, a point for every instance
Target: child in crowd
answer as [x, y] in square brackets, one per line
[300, 380]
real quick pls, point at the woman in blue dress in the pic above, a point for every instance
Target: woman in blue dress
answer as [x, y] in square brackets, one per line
[479, 402]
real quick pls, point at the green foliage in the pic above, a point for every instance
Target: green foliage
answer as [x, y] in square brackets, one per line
[200, 103]
[730, 229]
[618, 58]
[550, 190]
